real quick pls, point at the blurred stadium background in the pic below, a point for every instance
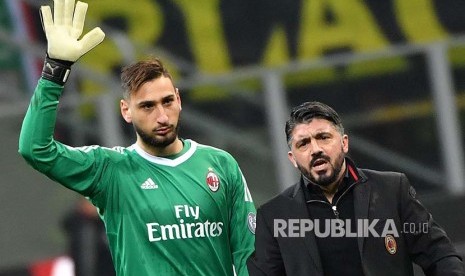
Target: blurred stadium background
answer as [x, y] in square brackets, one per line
[394, 70]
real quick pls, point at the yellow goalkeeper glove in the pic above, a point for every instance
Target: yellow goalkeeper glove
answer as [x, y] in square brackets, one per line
[63, 32]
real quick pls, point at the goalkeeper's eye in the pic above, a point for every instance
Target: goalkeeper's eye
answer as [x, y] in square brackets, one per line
[168, 101]
[146, 106]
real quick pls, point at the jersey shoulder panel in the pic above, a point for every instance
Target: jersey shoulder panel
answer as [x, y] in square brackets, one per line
[114, 154]
[221, 154]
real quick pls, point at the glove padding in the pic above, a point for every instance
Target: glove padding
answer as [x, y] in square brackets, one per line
[65, 28]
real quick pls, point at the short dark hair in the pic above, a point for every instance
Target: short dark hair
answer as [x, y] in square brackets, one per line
[306, 112]
[135, 75]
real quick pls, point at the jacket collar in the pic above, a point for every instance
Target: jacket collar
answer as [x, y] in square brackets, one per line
[361, 206]
[355, 173]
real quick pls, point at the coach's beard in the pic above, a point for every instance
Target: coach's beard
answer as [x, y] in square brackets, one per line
[324, 180]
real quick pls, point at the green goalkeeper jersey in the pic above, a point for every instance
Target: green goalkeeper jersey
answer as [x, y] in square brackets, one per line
[187, 214]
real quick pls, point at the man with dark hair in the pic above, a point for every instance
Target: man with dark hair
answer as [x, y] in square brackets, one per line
[170, 206]
[343, 220]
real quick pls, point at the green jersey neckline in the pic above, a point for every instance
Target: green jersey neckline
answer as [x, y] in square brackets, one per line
[174, 160]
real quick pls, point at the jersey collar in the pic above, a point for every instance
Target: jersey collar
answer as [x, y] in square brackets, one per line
[171, 162]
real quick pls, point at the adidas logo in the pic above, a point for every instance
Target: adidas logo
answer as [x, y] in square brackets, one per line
[149, 185]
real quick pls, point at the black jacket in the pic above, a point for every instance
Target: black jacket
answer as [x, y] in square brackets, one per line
[377, 195]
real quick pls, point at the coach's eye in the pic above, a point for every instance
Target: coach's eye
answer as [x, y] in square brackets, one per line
[302, 144]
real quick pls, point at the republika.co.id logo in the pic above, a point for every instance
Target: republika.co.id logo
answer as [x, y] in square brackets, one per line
[336, 228]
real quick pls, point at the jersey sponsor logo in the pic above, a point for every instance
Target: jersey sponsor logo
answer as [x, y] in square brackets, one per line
[252, 222]
[184, 230]
[149, 185]
[213, 181]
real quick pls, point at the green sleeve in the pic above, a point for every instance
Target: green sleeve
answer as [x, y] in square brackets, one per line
[79, 169]
[242, 221]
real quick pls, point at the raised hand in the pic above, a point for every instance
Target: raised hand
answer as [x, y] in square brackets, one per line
[65, 28]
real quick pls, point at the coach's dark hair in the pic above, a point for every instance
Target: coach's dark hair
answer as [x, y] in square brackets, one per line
[135, 75]
[306, 112]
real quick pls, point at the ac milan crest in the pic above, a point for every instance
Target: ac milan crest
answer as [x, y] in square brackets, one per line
[213, 181]
[390, 243]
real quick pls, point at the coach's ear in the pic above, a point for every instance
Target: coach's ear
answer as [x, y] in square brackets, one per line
[345, 143]
[291, 158]
[125, 110]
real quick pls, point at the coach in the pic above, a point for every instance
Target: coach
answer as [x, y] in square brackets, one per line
[343, 220]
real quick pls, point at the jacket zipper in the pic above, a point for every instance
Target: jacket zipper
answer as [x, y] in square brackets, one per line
[334, 207]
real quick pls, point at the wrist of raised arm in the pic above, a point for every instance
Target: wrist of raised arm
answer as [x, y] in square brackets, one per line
[56, 70]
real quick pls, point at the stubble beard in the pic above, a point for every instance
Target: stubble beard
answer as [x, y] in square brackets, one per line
[324, 180]
[153, 141]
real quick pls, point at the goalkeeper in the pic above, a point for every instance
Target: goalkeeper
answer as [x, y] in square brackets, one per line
[170, 206]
